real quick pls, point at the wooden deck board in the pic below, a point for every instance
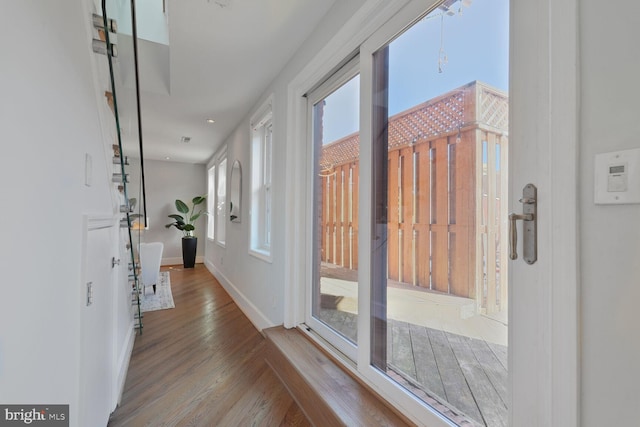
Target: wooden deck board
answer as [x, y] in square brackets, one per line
[455, 384]
[484, 394]
[466, 373]
[425, 361]
[496, 373]
[500, 352]
[350, 326]
[401, 349]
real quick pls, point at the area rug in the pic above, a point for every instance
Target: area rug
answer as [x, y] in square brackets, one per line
[162, 299]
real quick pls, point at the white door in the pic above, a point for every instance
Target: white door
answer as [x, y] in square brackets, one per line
[96, 317]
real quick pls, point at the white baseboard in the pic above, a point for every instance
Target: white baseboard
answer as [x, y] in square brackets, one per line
[259, 320]
[178, 260]
[123, 364]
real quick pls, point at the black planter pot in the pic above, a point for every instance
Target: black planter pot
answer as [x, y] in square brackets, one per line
[189, 245]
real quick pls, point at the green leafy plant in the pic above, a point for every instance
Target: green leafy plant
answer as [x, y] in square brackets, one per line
[186, 221]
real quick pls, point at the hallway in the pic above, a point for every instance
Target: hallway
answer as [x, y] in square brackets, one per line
[201, 364]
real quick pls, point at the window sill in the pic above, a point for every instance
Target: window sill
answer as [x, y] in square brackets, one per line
[261, 254]
[326, 392]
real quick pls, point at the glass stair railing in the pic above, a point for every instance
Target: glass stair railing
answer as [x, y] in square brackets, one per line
[124, 101]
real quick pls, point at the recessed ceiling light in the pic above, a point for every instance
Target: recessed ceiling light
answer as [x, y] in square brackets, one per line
[167, 158]
[210, 121]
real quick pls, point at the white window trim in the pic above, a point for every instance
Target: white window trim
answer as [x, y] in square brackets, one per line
[262, 116]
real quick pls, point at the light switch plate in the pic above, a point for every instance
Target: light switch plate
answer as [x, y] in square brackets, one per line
[617, 177]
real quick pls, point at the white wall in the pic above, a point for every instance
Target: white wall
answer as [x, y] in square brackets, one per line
[258, 286]
[610, 235]
[49, 120]
[165, 182]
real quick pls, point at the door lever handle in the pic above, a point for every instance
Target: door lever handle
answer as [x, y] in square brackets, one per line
[513, 232]
[529, 226]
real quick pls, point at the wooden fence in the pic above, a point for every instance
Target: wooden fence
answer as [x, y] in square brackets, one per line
[446, 211]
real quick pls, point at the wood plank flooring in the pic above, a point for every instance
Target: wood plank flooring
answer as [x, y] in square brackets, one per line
[202, 364]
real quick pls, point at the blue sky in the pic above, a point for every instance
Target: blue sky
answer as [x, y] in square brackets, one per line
[476, 45]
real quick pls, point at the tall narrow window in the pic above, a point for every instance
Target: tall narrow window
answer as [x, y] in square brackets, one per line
[221, 200]
[261, 194]
[334, 109]
[211, 197]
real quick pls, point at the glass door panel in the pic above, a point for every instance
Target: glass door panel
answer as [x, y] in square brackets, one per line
[439, 160]
[335, 121]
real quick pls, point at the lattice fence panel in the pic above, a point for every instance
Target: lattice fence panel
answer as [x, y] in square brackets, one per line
[494, 109]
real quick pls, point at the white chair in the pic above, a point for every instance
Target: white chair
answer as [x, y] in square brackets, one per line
[150, 257]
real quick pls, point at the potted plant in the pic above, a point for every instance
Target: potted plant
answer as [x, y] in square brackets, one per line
[186, 223]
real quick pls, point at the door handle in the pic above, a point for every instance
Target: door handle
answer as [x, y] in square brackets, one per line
[529, 220]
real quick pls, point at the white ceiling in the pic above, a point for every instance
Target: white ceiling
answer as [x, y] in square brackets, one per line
[219, 61]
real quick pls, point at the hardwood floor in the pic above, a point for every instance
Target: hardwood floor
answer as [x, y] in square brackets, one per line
[202, 364]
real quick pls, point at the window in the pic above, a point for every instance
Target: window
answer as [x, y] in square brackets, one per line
[221, 199]
[335, 112]
[261, 176]
[211, 197]
[217, 198]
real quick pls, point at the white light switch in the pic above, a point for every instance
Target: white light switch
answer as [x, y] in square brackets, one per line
[617, 177]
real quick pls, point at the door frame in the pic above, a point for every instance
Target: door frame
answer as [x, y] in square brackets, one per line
[544, 356]
[544, 104]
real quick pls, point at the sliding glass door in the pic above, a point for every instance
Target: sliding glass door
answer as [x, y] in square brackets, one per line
[439, 152]
[409, 209]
